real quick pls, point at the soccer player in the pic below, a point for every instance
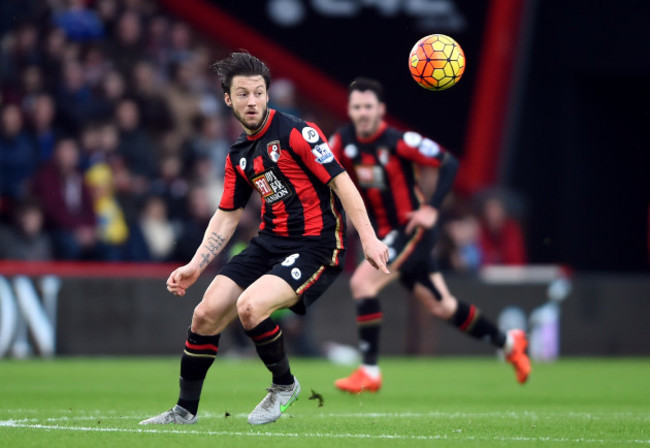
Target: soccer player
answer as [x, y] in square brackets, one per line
[297, 254]
[382, 162]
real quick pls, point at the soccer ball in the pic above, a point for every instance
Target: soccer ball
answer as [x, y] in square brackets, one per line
[436, 62]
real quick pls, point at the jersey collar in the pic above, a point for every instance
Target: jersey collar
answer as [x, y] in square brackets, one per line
[266, 125]
[380, 130]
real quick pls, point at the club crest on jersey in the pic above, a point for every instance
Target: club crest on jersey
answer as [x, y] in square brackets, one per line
[271, 187]
[323, 153]
[310, 134]
[273, 150]
[383, 154]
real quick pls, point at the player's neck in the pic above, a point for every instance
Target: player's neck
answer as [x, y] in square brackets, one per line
[372, 136]
[251, 132]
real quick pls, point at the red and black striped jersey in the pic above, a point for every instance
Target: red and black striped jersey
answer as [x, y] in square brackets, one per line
[384, 168]
[289, 163]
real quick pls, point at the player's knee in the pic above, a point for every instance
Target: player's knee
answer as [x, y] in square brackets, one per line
[361, 287]
[203, 318]
[248, 311]
[446, 307]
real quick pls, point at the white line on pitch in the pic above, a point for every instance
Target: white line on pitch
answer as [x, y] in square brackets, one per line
[16, 424]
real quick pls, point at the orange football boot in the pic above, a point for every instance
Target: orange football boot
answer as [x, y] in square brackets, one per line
[359, 382]
[518, 357]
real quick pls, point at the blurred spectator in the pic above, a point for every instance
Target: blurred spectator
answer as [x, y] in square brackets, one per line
[112, 230]
[25, 238]
[112, 90]
[180, 45]
[31, 87]
[17, 158]
[198, 212]
[135, 144]
[464, 253]
[96, 65]
[74, 97]
[282, 96]
[170, 185]
[127, 48]
[156, 116]
[79, 22]
[157, 231]
[19, 51]
[55, 48]
[67, 203]
[500, 237]
[157, 42]
[183, 99]
[209, 141]
[43, 130]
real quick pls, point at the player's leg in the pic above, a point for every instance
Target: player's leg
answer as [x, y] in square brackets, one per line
[254, 307]
[365, 285]
[294, 282]
[434, 294]
[211, 316]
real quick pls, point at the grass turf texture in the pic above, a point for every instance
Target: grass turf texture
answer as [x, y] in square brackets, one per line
[445, 402]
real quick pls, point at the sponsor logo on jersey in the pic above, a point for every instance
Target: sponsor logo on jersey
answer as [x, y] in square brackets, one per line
[429, 148]
[273, 150]
[370, 176]
[351, 151]
[271, 187]
[412, 139]
[310, 134]
[323, 153]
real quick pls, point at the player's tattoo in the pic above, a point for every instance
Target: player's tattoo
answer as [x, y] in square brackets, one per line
[213, 244]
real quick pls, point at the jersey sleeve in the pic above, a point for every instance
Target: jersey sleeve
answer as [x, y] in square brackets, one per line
[311, 147]
[236, 189]
[421, 150]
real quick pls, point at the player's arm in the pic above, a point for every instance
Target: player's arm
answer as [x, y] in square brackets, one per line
[374, 250]
[220, 229]
[427, 215]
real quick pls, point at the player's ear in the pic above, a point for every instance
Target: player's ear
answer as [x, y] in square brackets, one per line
[227, 100]
[382, 109]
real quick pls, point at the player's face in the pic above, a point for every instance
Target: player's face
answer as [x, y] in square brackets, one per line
[366, 112]
[248, 98]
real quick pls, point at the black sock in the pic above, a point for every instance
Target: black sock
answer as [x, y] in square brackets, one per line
[197, 358]
[369, 325]
[469, 319]
[269, 343]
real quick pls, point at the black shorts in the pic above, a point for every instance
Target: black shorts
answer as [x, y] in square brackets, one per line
[307, 268]
[412, 254]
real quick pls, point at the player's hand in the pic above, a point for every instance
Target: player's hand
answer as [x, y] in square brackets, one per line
[181, 279]
[376, 252]
[426, 216]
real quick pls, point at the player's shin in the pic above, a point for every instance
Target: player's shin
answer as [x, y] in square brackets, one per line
[199, 354]
[369, 317]
[469, 319]
[269, 344]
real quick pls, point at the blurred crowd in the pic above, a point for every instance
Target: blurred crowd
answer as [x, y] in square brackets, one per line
[113, 138]
[113, 133]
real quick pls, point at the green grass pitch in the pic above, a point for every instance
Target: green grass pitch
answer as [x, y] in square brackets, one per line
[442, 402]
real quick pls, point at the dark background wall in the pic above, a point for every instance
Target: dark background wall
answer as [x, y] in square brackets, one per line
[582, 150]
[138, 317]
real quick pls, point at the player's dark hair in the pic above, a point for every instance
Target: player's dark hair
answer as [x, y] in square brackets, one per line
[240, 63]
[365, 84]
